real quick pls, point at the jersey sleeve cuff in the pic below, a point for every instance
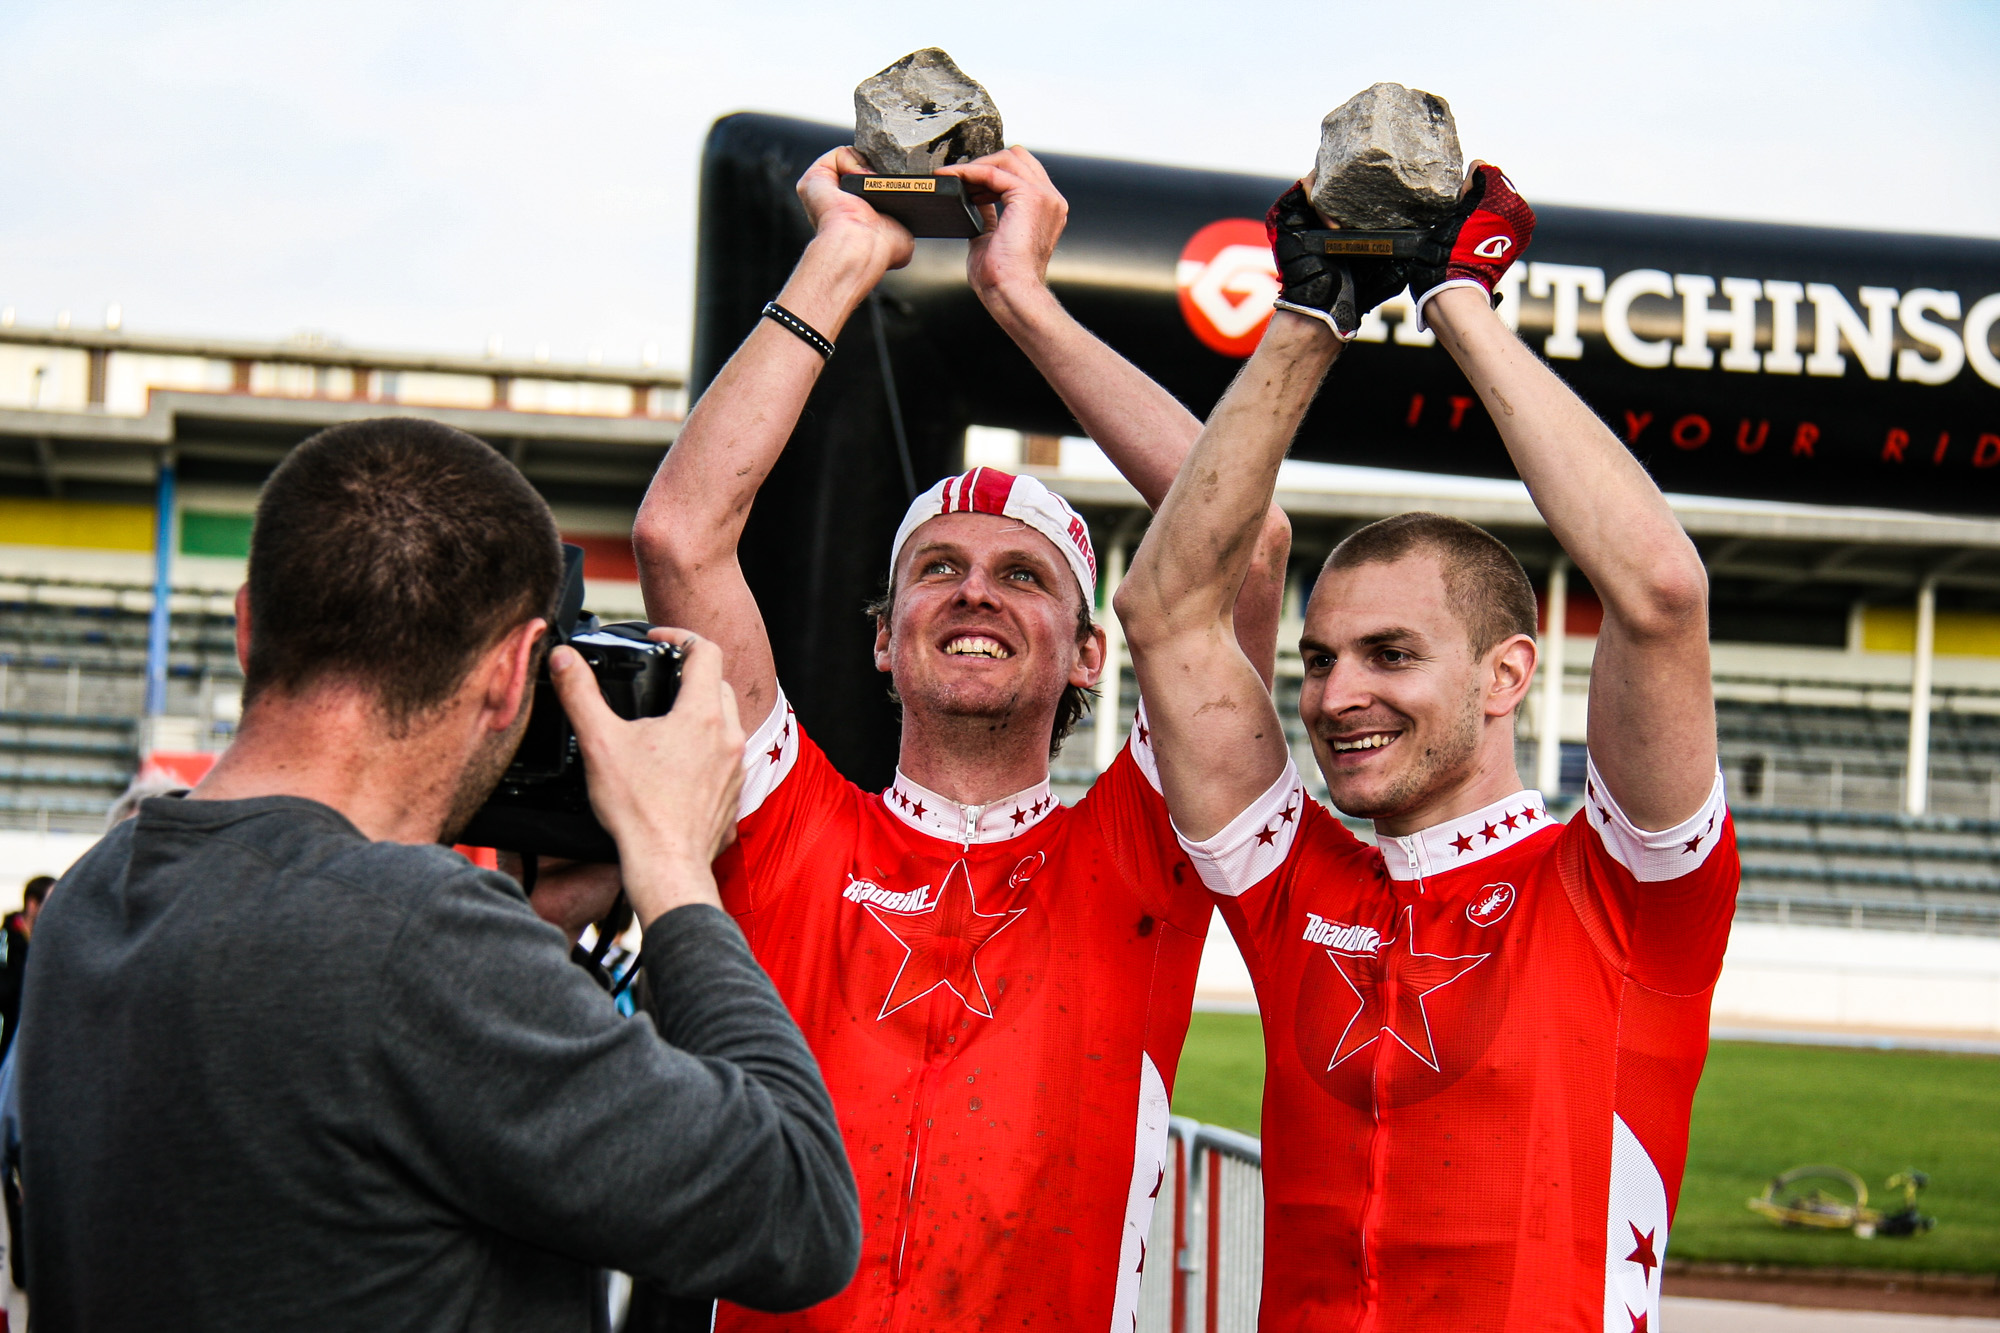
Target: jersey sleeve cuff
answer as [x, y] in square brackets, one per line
[1255, 843]
[1423, 325]
[1653, 857]
[768, 756]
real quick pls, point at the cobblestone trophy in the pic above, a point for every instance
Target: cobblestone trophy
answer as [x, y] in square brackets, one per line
[1389, 168]
[919, 114]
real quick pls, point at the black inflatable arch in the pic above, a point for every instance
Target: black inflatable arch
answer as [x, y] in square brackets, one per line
[1734, 358]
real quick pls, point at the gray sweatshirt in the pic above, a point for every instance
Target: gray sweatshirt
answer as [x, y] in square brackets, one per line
[276, 1076]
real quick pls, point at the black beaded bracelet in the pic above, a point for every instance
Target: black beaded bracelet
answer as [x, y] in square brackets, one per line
[809, 335]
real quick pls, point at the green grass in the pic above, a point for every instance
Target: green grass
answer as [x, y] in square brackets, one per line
[1222, 1071]
[1761, 1109]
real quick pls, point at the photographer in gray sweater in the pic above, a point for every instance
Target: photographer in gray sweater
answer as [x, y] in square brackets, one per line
[290, 1063]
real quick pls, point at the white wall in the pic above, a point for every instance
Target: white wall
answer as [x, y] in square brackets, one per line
[25, 854]
[1856, 980]
[53, 378]
[1224, 979]
[69, 562]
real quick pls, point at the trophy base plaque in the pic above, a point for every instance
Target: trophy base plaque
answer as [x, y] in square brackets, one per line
[935, 206]
[1397, 244]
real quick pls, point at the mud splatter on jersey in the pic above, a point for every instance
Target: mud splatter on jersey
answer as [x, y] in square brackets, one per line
[997, 996]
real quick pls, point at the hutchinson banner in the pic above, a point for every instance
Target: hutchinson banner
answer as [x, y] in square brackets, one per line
[1733, 358]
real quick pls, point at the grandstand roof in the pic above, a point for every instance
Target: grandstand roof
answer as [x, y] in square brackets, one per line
[1760, 540]
[228, 410]
[310, 350]
[93, 411]
[229, 437]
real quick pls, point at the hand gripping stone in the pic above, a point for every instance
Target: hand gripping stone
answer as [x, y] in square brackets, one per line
[1336, 290]
[1474, 246]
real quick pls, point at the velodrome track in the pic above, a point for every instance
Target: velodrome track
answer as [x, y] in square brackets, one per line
[1687, 1314]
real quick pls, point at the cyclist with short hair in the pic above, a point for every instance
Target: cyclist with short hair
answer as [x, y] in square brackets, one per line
[1484, 1029]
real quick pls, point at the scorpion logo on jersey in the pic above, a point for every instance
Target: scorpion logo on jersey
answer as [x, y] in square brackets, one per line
[1494, 901]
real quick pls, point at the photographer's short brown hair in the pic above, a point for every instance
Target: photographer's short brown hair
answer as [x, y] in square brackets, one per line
[388, 554]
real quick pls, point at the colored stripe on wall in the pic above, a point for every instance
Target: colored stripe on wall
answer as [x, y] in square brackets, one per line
[605, 556]
[88, 525]
[85, 524]
[206, 533]
[1893, 629]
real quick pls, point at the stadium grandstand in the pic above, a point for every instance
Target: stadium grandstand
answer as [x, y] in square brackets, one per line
[1857, 652]
[107, 439]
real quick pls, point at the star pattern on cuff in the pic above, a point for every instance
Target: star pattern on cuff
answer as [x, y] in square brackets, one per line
[1693, 844]
[1269, 833]
[777, 750]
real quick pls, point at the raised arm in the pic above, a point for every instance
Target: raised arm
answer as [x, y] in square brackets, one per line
[693, 515]
[1218, 739]
[1141, 427]
[1652, 705]
[1215, 729]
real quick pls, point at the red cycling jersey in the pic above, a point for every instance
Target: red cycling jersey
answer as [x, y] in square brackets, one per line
[1483, 1040]
[997, 996]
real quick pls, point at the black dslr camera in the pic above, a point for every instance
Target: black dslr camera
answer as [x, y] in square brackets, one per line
[541, 806]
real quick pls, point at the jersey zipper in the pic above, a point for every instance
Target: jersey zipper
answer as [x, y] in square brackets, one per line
[1374, 1195]
[937, 1055]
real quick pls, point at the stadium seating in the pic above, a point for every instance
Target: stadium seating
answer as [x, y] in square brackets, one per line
[1818, 792]
[73, 687]
[1817, 788]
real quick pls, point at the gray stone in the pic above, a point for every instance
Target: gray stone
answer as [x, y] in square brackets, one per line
[1388, 158]
[922, 113]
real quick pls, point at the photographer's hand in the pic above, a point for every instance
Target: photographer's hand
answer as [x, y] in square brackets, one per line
[665, 787]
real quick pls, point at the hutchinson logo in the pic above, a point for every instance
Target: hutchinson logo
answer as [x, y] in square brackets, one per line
[1227, 280]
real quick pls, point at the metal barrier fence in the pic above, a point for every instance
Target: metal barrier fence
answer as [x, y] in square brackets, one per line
[1205, 1253]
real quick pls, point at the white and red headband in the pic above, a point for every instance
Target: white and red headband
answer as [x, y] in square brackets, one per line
[986, 490]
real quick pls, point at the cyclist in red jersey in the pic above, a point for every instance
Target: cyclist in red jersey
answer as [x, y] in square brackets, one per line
[996, 986]
[1484, 1030]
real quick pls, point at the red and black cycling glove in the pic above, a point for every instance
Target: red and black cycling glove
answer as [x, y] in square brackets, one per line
[1337, 291]
[1473, 247]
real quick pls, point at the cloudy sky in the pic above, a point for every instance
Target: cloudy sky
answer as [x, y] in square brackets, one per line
[426, 174]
